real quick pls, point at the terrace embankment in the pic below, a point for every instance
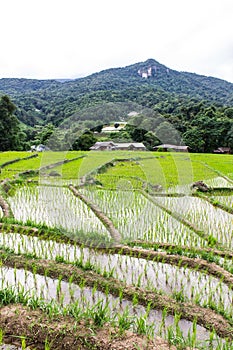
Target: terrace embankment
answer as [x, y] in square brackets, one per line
[180, 218]
[215, 203]
[62, 162]
[169, 247]
[205, 317]
[115, 234]
[62, 333]
[16, 160]
[5, 207]
[35, 172]
[182, 261]
[164, 257]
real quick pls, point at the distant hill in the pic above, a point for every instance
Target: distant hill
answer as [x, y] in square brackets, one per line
[148, 83]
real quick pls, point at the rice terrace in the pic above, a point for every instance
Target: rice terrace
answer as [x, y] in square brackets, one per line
[116, 250]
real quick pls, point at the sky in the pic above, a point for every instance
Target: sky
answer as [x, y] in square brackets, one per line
[51, 39]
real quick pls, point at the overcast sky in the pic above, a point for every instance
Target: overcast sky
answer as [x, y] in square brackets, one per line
[70, 38]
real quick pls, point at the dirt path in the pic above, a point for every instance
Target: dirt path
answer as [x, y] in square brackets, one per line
[63, 334]
[5, 207]
[115, 234]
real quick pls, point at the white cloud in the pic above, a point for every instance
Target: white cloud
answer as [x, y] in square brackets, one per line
[54, 38]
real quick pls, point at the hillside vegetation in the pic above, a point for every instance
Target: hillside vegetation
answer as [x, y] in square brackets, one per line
[200, 108]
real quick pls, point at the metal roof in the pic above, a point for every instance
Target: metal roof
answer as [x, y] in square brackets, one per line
[171, 146]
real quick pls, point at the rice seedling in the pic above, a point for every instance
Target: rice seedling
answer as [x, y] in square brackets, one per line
[226, 200]
[180, 282]
[98, 308]
[1, 336]
[136, 217]
[218, 182]
[55, 207]
[214, 221]
[124, 321]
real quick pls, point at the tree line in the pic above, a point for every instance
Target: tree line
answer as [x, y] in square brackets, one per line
[198, 124]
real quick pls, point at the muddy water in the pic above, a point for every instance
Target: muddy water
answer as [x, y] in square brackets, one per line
[151, 275]
[65, 293]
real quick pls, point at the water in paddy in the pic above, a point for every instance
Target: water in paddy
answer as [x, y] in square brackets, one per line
[194, 285]
[55, 207]
[64, 293]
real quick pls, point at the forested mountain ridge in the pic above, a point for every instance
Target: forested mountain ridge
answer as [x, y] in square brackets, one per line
[200, 108]
[170, 80]
[43, 101]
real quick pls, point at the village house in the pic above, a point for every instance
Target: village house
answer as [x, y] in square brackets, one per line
[113, 146]
[39, 148]
[171, 148]
[118, 126]
[222, 150]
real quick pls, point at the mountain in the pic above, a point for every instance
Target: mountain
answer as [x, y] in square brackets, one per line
[148, 83]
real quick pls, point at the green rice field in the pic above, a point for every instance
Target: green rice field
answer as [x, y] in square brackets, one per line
[116, 250]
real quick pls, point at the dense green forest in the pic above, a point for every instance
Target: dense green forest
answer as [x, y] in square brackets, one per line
[160, 105]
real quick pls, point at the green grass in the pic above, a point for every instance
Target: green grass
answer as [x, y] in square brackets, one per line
[162, 170]
[68, 171]
[168, 169]
[96, 159]
[42, 160]
[13, 169]
[124, 175]
[7, 156]
[165, 169]
[157, 168]
[217, 163]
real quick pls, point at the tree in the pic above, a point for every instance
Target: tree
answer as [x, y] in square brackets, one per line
[45, 134]
[97, 128]
[84, 142]
[166, 133]
[194, 139]
[229, 137]
[137, 134]
[150, 140]
[212, 130]
[9, 126]
[56, 141]
[229, 112]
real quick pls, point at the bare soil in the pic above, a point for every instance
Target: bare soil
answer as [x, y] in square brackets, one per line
[62, 333]
[5, 207]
